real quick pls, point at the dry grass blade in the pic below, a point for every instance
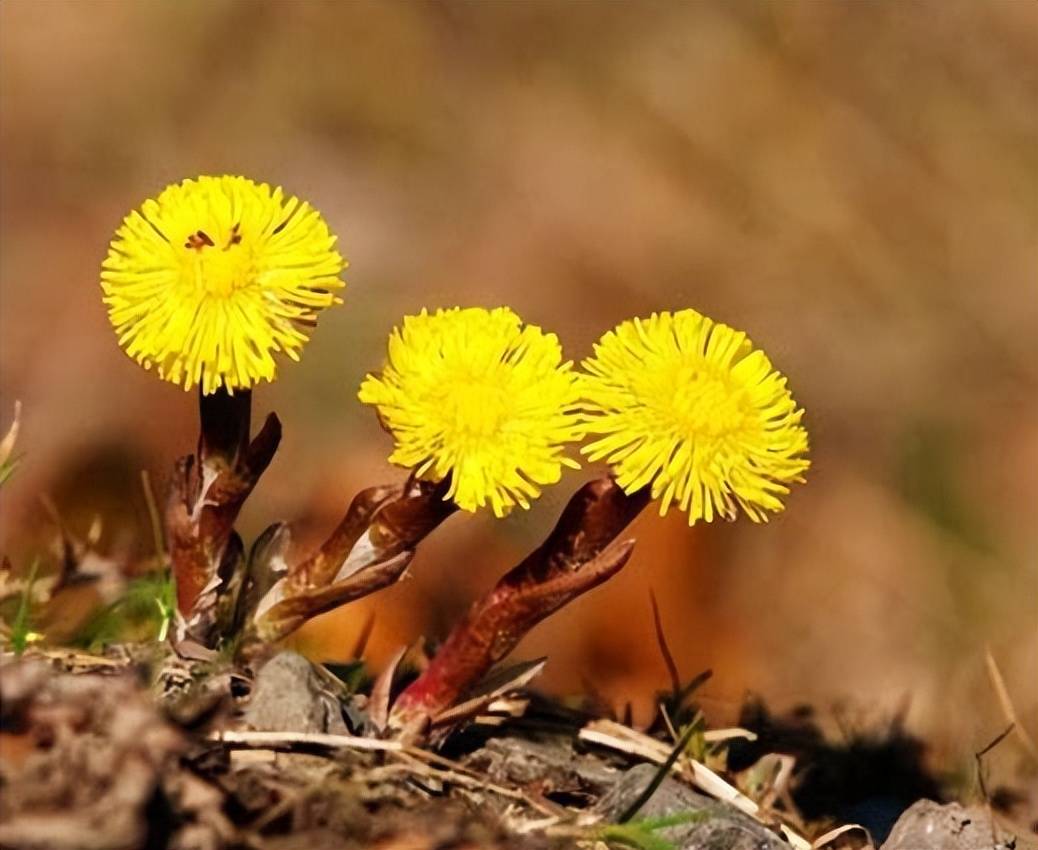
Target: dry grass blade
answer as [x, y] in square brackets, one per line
[735, 733]
[833, 834]
[378, 706]
[616, 736]
[514, 679]
[154, 517]
[778, 788]
[1002, 692]
[293, 740]
[11, 437]
[609, 733]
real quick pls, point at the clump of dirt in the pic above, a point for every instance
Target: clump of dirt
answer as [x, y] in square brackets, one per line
[93, 761]
[85, 760]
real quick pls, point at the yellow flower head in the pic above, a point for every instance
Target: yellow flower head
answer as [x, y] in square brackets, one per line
[479, 396]
[211, 278]
[689, 407]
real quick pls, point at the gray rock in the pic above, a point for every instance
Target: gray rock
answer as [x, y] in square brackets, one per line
[549, 762]
[288, 697]
[930, 826]
[719, 826]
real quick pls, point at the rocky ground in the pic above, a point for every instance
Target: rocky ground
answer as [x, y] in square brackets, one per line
[109, 752]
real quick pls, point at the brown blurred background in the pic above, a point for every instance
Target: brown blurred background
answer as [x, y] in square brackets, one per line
[854, 184]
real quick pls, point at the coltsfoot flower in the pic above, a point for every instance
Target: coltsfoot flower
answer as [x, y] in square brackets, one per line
[477, 395]
[211, 278]
[688, 407]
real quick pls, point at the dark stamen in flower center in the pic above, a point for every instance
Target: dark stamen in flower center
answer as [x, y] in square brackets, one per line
[198, 240]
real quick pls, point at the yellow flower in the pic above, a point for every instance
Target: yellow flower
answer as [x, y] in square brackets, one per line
[211, 278]
[689, 407]
[479, 396]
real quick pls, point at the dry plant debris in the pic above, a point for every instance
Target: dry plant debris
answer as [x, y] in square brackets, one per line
[94, 757]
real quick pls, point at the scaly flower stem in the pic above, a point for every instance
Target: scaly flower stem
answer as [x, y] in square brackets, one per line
[208, 491]
[580, 553]
[369, 550]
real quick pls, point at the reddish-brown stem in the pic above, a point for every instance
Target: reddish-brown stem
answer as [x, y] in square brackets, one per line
[208, 491]
[321, 567]
[580, 553]
[370, 549]
[225, 422]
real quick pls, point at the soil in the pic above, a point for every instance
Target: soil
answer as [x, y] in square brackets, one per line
[128, 750]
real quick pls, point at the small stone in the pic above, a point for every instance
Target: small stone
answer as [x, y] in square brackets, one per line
[718, 825]
[550, 762]
[927, 825]
[288, 697]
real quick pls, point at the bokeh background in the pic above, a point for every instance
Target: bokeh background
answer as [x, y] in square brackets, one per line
[854, 184]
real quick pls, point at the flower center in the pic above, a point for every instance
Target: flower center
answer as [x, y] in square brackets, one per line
[703, 404]
[475, 409]
[219, 270]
